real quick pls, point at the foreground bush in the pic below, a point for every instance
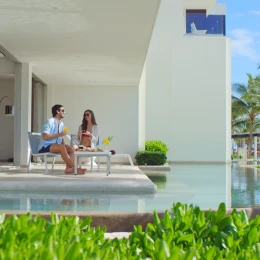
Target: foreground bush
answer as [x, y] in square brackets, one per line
[192, 234]
[150, 158]
[187, 233]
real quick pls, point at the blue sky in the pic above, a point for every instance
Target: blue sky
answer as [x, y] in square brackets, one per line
[243, 27]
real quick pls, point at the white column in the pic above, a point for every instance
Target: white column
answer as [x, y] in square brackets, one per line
[157, 72]
[255, 148]
[49, 102]
[243, 142]
[194, 83]
[17, 114]
[228, 186]
[141, 112]
[140, 205]
[22, 122]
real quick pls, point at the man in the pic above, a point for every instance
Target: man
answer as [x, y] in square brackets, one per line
[53, 139]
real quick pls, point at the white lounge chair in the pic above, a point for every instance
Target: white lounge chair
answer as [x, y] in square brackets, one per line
[195, 31]
[34, 140]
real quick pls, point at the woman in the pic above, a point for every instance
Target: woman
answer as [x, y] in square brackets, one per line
[88, 133]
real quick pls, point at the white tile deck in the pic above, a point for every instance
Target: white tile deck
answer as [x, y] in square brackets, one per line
[123, 179]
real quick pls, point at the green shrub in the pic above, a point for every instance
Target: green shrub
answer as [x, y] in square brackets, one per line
[185, 233]
[156, 146]
[150, 158]
[236, 156]
[190, 233]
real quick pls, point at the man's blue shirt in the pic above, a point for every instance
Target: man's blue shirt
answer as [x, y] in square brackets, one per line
[51, 127]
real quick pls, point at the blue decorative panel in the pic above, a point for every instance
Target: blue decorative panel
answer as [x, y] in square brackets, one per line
[199, 23]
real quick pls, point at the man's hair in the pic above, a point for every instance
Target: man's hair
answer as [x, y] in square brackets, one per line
[55, 108]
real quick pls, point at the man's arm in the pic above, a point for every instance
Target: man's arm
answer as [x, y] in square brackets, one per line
[46, 136]
[47, 129]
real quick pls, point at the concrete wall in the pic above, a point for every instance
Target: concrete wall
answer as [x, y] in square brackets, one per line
[157, 73]
[115, 108]
[188, 90]
[7, 122]
[201, 100]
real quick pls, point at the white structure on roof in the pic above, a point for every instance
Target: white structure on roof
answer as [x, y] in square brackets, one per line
[195, 31]
[132, 63]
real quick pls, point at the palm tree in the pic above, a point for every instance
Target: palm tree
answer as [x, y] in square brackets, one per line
[246, 107]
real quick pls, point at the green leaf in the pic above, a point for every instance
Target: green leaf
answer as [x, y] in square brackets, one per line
[86, 223]
[253, 236]
[258, 250]
[167, 221]
[2, 218]
[54, 218]
[73, 251]
[162, 251]
[187, 237]
[220, 214]
[157, 221]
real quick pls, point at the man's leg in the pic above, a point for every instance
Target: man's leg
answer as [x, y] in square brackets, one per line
[61, 148]
[70, 151]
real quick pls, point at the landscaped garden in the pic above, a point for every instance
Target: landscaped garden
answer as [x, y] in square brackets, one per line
[186, 232]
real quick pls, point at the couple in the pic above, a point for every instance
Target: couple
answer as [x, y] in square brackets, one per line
[53, 136]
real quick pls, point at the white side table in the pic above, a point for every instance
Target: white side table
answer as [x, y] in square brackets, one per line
[91, 154]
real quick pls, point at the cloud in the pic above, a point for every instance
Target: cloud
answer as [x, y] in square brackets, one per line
[237, 14]
[254, 12]
[243, 44]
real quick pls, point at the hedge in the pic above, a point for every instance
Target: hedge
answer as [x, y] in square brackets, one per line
[150, 158]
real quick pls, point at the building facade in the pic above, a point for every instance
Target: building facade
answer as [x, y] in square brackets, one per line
[149, 70]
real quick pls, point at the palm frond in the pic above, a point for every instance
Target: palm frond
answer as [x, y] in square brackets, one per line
[246, 105]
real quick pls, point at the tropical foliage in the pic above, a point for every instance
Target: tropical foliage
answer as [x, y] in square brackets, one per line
[246, 107]
[185, 233]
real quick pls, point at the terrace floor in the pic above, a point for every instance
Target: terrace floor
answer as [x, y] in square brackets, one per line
[123, 179]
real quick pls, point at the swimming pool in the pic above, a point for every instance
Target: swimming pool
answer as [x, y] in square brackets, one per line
[203, 185]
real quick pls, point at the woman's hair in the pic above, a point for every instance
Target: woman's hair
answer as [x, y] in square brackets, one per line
[84, 125]
[55, 108]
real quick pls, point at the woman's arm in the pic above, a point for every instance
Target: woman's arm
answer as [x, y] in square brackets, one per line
[95, 134]
[79, 133]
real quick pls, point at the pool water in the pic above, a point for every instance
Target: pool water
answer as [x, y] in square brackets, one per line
[203, 185]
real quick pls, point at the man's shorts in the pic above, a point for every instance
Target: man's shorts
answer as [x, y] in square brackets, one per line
[45, 149]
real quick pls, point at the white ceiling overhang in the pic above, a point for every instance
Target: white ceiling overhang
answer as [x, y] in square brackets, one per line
[7, 68]
[200, 4]
[80, 42]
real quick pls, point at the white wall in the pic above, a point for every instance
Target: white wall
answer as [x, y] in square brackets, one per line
[188, 90]
[201, 100]
[7, 122]
[157, 73]
[115, 109]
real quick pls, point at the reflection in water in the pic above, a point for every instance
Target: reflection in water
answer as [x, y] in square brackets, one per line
[160, 180]
[203, 185]
[57, 201]
[245, 186]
